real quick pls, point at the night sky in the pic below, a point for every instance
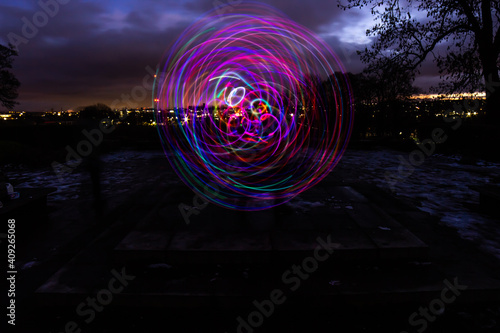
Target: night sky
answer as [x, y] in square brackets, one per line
[95, 51]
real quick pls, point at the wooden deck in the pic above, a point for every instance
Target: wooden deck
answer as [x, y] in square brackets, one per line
[227, 258]
[362, 230]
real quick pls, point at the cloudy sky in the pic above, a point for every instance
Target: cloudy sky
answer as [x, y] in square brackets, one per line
[87, 51]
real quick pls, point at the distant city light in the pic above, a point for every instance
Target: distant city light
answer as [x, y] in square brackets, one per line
[449, 96]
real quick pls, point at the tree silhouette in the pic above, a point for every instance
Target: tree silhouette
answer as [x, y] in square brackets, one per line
[96, 112]
[8, 82]
[388, 81]
[409, 31]
[380, 93]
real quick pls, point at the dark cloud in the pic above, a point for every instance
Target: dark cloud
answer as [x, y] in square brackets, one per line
[311, 14]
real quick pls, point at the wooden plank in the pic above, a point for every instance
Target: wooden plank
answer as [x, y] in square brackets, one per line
[392, 239]
[203, 247]
[373, 287]
[67, 286]
[347, 193]
[293, 246]
[295, 241]
[316, 193]
[142, 247]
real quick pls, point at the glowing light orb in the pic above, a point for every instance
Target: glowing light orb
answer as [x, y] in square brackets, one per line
[262, 108]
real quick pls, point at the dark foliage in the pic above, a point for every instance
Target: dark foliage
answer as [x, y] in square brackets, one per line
[408, 32]
[8, 82]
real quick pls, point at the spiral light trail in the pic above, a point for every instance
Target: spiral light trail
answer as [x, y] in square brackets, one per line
[253, 108]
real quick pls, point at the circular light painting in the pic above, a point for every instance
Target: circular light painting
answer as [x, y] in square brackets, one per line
[252, 108]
